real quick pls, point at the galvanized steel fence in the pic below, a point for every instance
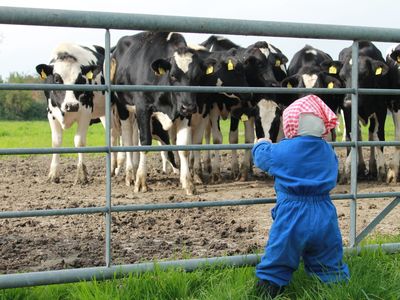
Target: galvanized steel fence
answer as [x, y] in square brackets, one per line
[107, 21]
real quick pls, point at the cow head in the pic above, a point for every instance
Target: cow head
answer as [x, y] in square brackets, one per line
[182, 69]
[223, 68]
[66, 70]
[371, 73]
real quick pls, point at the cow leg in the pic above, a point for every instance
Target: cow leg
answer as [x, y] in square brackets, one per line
[379, 135]
[207, 138]
[145, 139]
[234, 139]
[56, 142]
[184, 137]
[217, 139]
[115, 133]
[198, 125]
[393, 172]
[249, 139]
[80, 141]
[127, 140]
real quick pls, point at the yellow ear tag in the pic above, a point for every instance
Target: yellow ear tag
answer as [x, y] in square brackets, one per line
[89, 75]
[210, 70]
[378, 71]
[244, 118]
[277, 63]
[398, 59]
[330, 85]
[43, 74]
[289, 85]
[332, 70]
[230, 65]
[161, 71]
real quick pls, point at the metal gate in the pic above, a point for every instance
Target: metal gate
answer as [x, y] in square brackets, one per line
[107, 21]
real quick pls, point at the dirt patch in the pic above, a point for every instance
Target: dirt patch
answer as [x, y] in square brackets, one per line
[50, 243]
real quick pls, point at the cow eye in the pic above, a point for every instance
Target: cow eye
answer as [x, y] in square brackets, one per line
[57, 79]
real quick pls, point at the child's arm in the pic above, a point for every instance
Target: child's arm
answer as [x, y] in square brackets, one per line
[262, 154]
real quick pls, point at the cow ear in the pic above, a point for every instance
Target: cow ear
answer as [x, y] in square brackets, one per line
[280, 59]
[161, 66]
[208, 66]
[230, 64]
[44, 70]
[395, 55]
[91, 71]
[379, 68]
[332, 67]
[331, 82]
[290, 82]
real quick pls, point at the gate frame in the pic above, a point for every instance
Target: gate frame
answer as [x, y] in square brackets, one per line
[107, 21]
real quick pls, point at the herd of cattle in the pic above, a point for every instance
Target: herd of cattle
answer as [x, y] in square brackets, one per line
[181, 118]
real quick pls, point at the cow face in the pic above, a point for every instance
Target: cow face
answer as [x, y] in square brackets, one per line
[225, 69]
[68, 71]
[315, 80]
[371, 73]
[182, 69]
[259, 71]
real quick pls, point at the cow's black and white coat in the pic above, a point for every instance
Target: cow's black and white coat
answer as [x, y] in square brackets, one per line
[393, 61]
[372, 73]
[72, 64]
[156, 58]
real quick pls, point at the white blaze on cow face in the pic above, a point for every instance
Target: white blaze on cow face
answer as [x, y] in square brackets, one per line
[309, 80]
[183, 60]
[265, 51]
[267, 110]
[312, 51]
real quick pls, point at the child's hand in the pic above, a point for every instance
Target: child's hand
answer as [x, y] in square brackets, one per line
[264, 140]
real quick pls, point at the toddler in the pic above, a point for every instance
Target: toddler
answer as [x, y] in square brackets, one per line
[305, 224]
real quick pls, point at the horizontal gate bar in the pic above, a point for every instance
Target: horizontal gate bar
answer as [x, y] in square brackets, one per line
[194, 89]
[63, 150]
[108, 20]
[118, 271]
[162, 206]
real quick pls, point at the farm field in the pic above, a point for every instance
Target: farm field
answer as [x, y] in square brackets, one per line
[48, 243]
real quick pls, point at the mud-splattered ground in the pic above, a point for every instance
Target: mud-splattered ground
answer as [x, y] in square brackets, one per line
[50, 243]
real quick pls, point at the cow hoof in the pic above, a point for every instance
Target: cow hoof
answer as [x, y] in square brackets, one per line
[198, 179]
[190, 190]
[81, 175]
[216, 178]
[244, 177]
[53, 179]
[391, 176]
[140, 187]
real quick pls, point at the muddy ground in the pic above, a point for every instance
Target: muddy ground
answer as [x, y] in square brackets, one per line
[51, 243]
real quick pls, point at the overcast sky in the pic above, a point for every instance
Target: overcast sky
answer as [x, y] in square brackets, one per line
[23, 47]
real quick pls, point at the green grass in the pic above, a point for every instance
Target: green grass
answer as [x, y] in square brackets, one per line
[374, 275]
[36, 134]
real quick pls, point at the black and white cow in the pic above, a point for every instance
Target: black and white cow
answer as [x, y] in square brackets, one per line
[264, 66]
[222, 68]
[372, 71]
[313, 68]
[156, 58]
[72, 64]
[393, 61]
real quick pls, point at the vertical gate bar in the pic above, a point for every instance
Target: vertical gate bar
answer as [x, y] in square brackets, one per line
[108, 143]
[354, 139]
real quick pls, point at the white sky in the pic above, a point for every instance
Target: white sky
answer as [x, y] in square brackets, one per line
[23, 47]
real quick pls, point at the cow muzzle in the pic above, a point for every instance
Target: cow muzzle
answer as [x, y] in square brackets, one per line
[187, 110]
[71, 107]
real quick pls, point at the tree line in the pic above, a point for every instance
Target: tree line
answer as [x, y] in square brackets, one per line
[22, 105]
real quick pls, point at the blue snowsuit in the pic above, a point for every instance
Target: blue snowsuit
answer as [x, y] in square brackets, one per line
[305, 220]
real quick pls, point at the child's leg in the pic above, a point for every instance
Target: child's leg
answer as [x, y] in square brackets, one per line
[285, 245]
[324, 251]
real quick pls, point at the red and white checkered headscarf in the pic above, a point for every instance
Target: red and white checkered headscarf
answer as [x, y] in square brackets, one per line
[308, 104]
